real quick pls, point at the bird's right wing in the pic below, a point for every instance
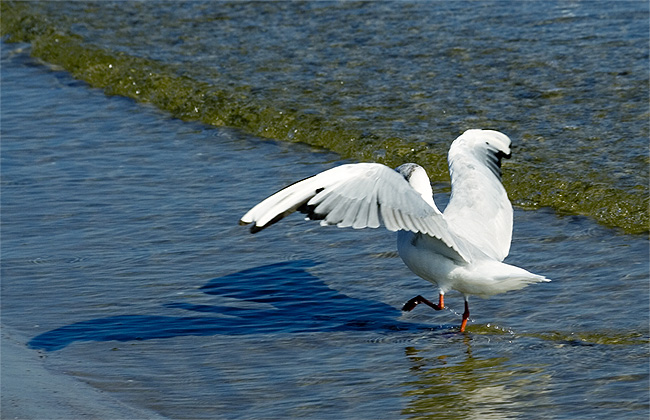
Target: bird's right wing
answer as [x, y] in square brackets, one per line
[479, 209]
[357, 195]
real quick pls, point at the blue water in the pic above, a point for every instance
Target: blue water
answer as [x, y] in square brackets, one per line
[124, 265]
[395, 81]
[552, 74]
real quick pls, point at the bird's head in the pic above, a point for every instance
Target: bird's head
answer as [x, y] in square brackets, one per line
[418, 179]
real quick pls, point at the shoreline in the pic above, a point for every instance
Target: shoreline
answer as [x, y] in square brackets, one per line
[30, 391]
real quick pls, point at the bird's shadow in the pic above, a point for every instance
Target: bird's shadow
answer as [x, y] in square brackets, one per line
[277, 298]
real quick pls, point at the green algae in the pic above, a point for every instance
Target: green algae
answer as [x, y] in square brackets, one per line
[224, 103]
[609, 338]
[576, 338]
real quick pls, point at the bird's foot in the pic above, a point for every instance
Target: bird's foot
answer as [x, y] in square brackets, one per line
[411, 304]
[465, 317]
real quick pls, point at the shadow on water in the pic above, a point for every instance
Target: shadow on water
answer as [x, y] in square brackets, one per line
[276, 298]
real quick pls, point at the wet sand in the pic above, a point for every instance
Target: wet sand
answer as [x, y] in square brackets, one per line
[30, 391]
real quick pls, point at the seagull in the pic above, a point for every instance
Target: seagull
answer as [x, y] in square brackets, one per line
[460, 249]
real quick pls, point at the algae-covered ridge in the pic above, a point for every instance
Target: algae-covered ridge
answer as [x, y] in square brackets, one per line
[226, 103]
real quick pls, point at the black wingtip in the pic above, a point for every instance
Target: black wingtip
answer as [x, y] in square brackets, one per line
[256, 228]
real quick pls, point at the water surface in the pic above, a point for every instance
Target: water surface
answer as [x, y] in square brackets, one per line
[390, 81]
[124, 266]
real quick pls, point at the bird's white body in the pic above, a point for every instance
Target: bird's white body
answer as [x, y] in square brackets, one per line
[461, 249]
[483, 277]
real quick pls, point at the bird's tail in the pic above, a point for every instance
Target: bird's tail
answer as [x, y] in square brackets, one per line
[498, 277]
[518, 278]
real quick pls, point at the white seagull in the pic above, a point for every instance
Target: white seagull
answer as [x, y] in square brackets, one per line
[461, 249]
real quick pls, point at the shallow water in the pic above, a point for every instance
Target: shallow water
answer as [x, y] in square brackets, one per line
[389, 81]
[123, 264]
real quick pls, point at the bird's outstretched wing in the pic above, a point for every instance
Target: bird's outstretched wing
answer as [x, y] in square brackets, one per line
[357, 195]
[479, 209]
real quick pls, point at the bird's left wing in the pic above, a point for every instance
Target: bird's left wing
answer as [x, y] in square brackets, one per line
[355, 195]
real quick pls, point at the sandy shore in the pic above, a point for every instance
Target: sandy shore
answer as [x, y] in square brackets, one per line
[29, 391]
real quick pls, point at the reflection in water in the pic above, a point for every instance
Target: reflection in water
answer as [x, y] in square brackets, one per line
[461, 386]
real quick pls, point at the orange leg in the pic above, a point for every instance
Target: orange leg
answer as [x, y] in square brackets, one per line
[465, 317]
[408, 306]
